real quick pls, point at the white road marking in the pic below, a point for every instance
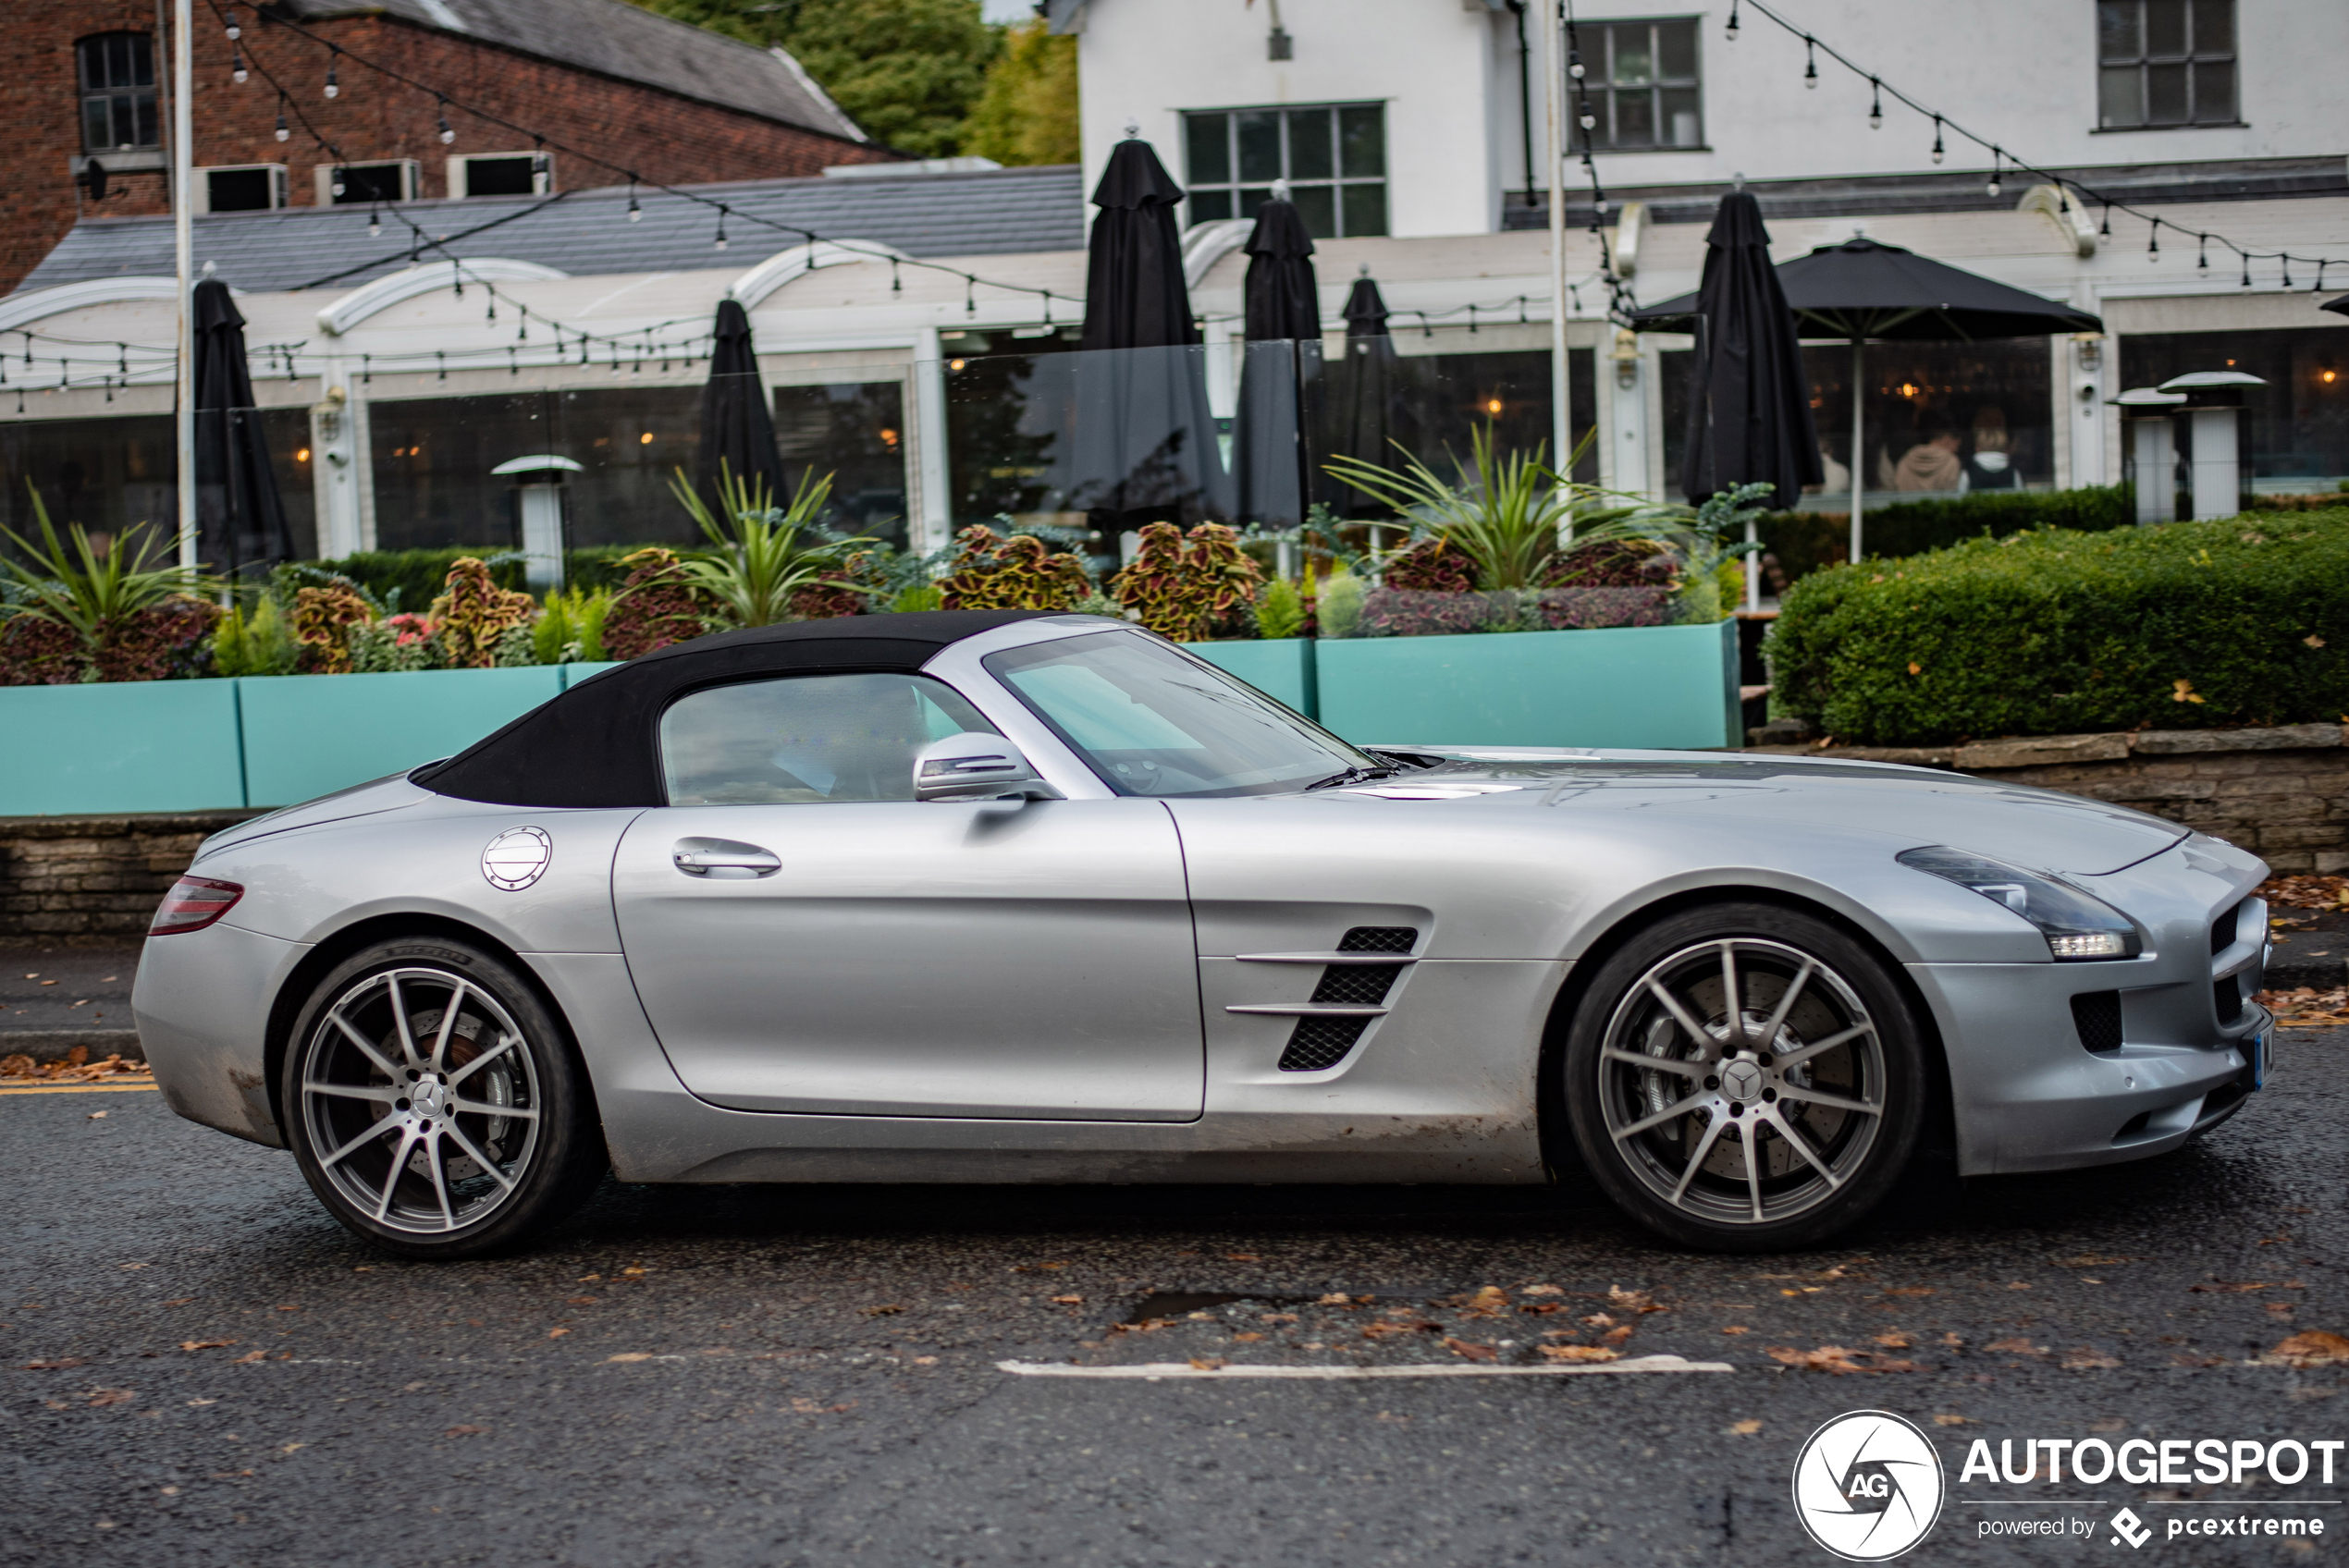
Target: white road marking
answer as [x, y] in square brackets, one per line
[1153, 1371]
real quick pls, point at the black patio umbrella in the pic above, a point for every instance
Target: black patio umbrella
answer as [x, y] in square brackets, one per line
[1863, 288]
[2338, 307]
[240, 519]
[1749, 401]
[1284, 354]
[1362, 419]
[1144, 447]
[737, 430]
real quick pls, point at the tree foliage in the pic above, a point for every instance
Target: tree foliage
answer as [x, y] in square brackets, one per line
[1026, 111]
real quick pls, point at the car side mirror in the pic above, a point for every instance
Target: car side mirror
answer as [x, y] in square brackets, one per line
[977, 768]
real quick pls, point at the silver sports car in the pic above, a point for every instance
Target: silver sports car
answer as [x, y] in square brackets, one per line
[995, 896]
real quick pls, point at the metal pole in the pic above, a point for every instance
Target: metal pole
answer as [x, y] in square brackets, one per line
[1859, 424]
[1553, 148]
[183, 257]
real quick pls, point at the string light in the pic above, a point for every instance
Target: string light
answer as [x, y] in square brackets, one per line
[1731, 31]
[539, 183]
[635, 213]
[448, 136]
[2286, 259]
[1811, 62]
[2104, 227]
[236, 65]
[2153, 242]
[228, 21]
[1876, 106]
[897, 285]
[285, 132]
[443, 358]
[334, 58]
[366, 370]
[2318, 287]
[2201, 251]
[1995, 156]
[375, 221]
[719, 243]
[2246, 269]
[971, 297]
[1936, 138]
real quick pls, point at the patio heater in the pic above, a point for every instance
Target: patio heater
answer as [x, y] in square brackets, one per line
[2146, 413]
[540, 502]
[2214, 410]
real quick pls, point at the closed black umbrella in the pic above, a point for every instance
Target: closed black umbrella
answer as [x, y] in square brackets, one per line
[1283, 353]
[1749, 401]
[2338, 307]
[1363, 420]
[240, 519]
[737, 430]
[1864, 288]
[1145, 439]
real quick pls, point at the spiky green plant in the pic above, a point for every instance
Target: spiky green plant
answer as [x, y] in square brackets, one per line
[86, 591]
[757, 561]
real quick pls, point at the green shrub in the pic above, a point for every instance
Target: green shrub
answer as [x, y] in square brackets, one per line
[1803, 542]
[418, 576]
[2190, 624]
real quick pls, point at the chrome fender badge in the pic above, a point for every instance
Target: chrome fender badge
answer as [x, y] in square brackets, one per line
[516, 858]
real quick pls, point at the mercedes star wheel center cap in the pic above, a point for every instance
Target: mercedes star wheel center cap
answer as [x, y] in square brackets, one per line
[427, 1097]
[1742, 1080]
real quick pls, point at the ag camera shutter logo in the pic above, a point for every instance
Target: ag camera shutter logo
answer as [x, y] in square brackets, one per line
[1868, 1486]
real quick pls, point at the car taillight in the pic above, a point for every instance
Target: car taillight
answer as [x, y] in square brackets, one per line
[193, 903]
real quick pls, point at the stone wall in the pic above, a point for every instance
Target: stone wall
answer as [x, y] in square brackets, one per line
[93, 881]
[2283, 792]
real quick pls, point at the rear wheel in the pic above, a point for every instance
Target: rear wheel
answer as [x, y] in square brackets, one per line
[434, 1104]
[1745, 1078]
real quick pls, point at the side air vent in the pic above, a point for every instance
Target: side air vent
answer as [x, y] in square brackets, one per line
[2097, 1014]
[2226, 996]
[1319, 1043]
[2223, 929]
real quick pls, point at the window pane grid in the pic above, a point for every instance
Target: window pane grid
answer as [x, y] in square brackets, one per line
[116, 72]
[1333, 155]
[2165, 63]
[1640, 85]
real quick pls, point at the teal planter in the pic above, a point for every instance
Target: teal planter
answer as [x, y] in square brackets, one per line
[310, 735]
[137, 746]
[1282, 669]
[1666, 687]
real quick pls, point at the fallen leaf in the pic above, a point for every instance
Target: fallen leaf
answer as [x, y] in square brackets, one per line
[925, 1361]
[1541, 1290]
[2085, 1359]
[291, 1447]
[2020, 1285]
[581, 1301]
[1469, 1351]
[629, 1355]
[1388, 1331]
[1242, 1258]
[1911, 1291]
[631, 1272]
[2311, 1347]
[58, 1364]
[1336, 1298]
[247, 1360]
[202, 1401]
[1206, 1363]
[2313, 640]
[1837, 1359]
[1955, 1421]
[180, 1302]
[2014, 1347]
[1617, 1334]
[1894, 1340]
[1580, 1352]
[1631, 1301]
[2109, 1423]
[96, 1116]
[1249, 1338]
[1916, 669]
[204, 1344]
[1953, 1341]
[1068, 1301]
[463, 1432]
[112, 1396]
[890, 1310]
[1599, 1320]
[1737, 1329]
[557, 1333]
[1276, 1317]
[1745, 1429]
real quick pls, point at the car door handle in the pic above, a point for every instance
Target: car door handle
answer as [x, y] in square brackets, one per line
[722, 859]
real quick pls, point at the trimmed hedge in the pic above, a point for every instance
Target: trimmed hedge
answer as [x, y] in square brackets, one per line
[419, 575]
[1804, 541]
[2187, 626]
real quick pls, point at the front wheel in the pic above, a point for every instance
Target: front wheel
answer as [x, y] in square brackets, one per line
[433, 1103]
[1745, 1078]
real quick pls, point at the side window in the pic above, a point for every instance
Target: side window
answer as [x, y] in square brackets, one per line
[117, 79]
[806, 740]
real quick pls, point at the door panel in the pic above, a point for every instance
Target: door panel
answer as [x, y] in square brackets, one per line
[990, 960]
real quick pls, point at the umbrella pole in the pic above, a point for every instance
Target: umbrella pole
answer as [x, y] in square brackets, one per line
[1859, 422]
[183, 268]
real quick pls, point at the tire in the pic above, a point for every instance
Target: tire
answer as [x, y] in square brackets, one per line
[1733, 1147]
[433, 1142]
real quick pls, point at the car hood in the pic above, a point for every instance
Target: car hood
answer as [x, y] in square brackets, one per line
[2037, 829]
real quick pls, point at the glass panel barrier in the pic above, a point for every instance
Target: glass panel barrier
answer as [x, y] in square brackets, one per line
[2294, 433]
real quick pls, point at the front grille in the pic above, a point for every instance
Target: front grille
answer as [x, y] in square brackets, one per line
[1320, 1042]
[2097, 1014]
[2223, 929]
[2226, 996]
[1317, 1042]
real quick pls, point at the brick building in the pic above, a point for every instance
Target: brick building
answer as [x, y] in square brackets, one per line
[84, 89]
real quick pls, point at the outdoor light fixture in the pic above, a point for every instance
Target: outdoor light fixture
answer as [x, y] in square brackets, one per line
[1627, 358]
[2091, 348]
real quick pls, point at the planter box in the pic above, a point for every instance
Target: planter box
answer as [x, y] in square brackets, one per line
[1281, 669]
[1666, 687]
[310, 735]
[136, 746]
[576, 673]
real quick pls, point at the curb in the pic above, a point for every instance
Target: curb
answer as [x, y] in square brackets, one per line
[45, 1046]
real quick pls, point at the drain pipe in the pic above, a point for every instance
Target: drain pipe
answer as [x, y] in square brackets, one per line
[1524, 96]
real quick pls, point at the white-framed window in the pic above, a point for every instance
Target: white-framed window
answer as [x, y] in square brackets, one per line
[116, 72]
[1640, 84]
[501, 173]
[359, 185]
[241, 187]
[2165, 63]
[1334, 155]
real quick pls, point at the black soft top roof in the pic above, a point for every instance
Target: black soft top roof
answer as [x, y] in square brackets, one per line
[594, 744]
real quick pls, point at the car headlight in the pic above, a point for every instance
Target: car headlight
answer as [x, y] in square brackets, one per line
[2077, 926]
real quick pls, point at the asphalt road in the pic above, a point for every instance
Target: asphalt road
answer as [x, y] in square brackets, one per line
[809, 1376]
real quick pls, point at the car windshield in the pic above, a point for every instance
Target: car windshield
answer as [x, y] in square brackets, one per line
[1154, 722]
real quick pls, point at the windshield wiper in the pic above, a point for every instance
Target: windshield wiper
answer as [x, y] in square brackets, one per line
[1351, 776]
